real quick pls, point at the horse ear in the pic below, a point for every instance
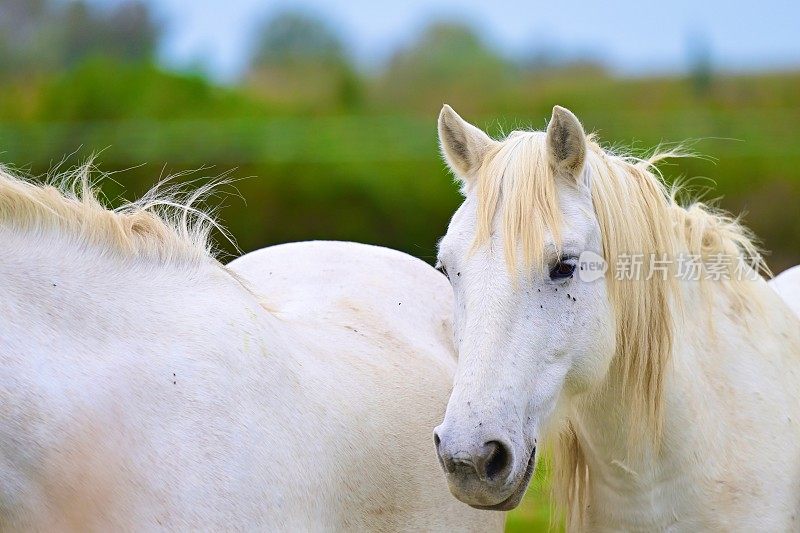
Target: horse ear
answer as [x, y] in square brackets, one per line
[566, 142]
[463, 145]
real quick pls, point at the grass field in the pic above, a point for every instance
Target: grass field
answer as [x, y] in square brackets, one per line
[534, 513]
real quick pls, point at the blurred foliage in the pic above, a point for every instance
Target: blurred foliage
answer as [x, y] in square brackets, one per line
[375, 175]
[40, 36]
[447, 59]
[323, 151]
[293, 38]
[301, 64]
[534, 512]
[103, 89]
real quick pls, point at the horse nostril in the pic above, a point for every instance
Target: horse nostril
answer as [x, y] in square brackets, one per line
[496, 461]
[437, 441]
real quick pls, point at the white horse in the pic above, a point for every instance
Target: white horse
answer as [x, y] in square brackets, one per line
[145, 386]
[673, 400]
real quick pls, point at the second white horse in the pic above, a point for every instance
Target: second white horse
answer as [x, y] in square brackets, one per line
[145, 386]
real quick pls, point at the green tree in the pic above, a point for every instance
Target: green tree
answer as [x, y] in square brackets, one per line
[293, 38]
[448, 62]
[300, 60]
[700, 65]
[20, 32]
[43, 36]
[126, 32]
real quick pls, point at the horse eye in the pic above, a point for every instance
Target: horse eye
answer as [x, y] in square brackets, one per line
[562, 270]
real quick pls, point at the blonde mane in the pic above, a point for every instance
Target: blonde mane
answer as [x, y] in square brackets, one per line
[163, 225]
[637, 214]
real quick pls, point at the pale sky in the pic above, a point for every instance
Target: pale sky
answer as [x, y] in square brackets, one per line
[632, 37]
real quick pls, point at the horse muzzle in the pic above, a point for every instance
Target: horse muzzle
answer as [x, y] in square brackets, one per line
[481, 469]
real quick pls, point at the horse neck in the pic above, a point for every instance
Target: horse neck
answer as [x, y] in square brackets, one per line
[714, 357]
[93, 300]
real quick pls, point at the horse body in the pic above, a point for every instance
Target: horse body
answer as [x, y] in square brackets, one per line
[383, 358]
[144, 387]
[670, 395]
[730, 456]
